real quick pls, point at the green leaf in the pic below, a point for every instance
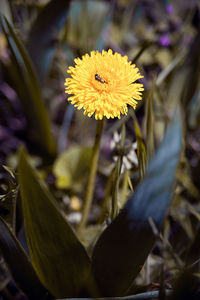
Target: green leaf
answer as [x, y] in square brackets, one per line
[149, 125]
[141, 148]
[116, 177]
[19, 264]
[27, 87]
[59, 259]
[44, 33]
[5, 10]
[70, 167]
[123, 247]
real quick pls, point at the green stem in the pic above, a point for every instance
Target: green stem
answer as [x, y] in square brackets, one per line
[116, 176]
[124, 188]
[115, 186]
[92, 175]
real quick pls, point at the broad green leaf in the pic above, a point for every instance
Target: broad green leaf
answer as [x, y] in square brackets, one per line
[59, 259]
[123, 247]
[44, 34]
[27, 87]
[19, 264]
[70, 167]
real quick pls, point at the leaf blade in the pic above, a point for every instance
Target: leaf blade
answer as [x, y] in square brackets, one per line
[42, 37]
[124, 246]
[50, 238]
[141, 147]
[70, 167]
[26, 85]
[17, 260]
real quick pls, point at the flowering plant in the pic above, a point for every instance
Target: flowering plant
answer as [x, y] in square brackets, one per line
[114, 218]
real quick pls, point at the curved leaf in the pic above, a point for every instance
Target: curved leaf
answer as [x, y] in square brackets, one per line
[60, 260]
[19, 264]
[141, 148]
[43, 35]
[70, 167]
[124, 246]
[27, 87]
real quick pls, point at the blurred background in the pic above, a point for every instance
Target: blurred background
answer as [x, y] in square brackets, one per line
[38, 42]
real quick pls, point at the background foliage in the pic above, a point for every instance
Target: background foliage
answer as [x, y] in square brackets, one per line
[142, 234]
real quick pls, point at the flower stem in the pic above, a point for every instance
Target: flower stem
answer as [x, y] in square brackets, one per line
[92, 175]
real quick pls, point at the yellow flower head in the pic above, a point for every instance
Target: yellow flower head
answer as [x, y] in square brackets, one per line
[103, 84]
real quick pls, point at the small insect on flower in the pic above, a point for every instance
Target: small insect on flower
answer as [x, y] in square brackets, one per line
[104, 84]
[97, 77]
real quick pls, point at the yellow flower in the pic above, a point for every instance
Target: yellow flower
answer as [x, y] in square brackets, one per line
[103, 84]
